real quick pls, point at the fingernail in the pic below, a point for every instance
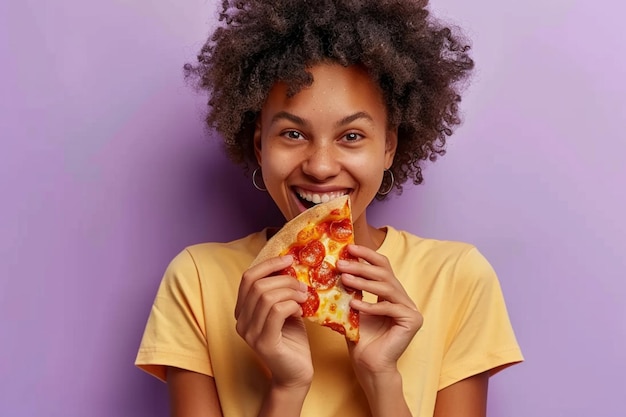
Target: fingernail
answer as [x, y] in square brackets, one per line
[303, 287]
[356, 303]
[342, 262]
[287, 258]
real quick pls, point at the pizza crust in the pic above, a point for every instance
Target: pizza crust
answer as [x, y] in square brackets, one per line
[333, 309]
[288, 234]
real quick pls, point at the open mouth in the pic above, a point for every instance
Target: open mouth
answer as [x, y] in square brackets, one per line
[310, 199]
[307, 204]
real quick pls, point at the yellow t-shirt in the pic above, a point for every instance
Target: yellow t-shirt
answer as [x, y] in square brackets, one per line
[466, 326]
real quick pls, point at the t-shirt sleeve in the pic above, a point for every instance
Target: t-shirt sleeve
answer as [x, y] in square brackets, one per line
[481, 337]
[175, 334]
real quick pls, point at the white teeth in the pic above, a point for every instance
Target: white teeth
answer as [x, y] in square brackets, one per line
[319, 198]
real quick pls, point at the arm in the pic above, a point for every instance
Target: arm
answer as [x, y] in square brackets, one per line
[195, 395]
[192, 394]
[385, 395]
[386, 329]
[481, 334]
[269, 320]
[466, 398]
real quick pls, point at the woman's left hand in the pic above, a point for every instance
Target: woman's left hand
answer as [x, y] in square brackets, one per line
[387, 326]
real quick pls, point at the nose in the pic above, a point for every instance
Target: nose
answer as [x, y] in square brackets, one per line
[321, 162]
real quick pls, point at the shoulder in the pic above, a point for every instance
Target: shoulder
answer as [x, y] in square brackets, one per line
[460, 261]
[426, 249]
[239, 249]
[196, 259]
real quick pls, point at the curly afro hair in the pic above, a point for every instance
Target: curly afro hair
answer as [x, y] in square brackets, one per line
[419, 63]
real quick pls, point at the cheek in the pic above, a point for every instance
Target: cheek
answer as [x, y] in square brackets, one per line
[369, 169]
[374, 181]
[275, 167]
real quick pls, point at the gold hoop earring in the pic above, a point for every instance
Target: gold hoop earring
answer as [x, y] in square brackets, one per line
[254, 173]
[391, 182]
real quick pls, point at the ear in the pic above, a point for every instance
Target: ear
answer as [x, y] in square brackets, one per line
[391, 144]
[257, 140]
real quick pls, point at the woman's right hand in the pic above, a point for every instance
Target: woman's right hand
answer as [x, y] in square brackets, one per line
[269, 319]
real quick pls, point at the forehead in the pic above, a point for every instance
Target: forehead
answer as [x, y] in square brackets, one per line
[335, 90]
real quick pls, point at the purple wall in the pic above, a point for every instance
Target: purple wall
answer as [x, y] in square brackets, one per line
[106, 173]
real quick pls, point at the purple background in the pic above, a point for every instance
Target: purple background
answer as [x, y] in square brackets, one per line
[106, 173]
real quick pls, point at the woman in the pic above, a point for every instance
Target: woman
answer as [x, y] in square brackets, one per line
[331, 98]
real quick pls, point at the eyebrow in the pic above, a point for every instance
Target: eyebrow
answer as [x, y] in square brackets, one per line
[359, 115]
[291, 117]
[302, 122]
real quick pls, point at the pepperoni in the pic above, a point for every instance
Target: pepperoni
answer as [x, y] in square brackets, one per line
[353, 318]
[289, 271]
[312, 303]
[293, 251]
[324, 276]
[341, 229]
[306, 234]
[335, 326]
[322, 228]
[312, 254]
[345, 255]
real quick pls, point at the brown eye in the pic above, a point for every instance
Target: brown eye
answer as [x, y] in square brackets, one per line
[352, 137]
[293, 134]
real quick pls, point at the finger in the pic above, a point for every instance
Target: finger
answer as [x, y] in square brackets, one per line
[255, 332]
[375, 265]
[267, 291]
[276, 317]
[262, 270]
[365, 270]
[385, 290]
[254, 316]
[368, 255]
[266, 333]
[403, 315]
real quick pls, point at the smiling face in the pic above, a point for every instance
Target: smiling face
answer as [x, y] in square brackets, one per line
[332, 138]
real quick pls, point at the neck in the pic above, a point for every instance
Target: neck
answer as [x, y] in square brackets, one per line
[366, 235]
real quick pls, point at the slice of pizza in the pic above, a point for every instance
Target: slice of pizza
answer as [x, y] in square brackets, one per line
[317, 238]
